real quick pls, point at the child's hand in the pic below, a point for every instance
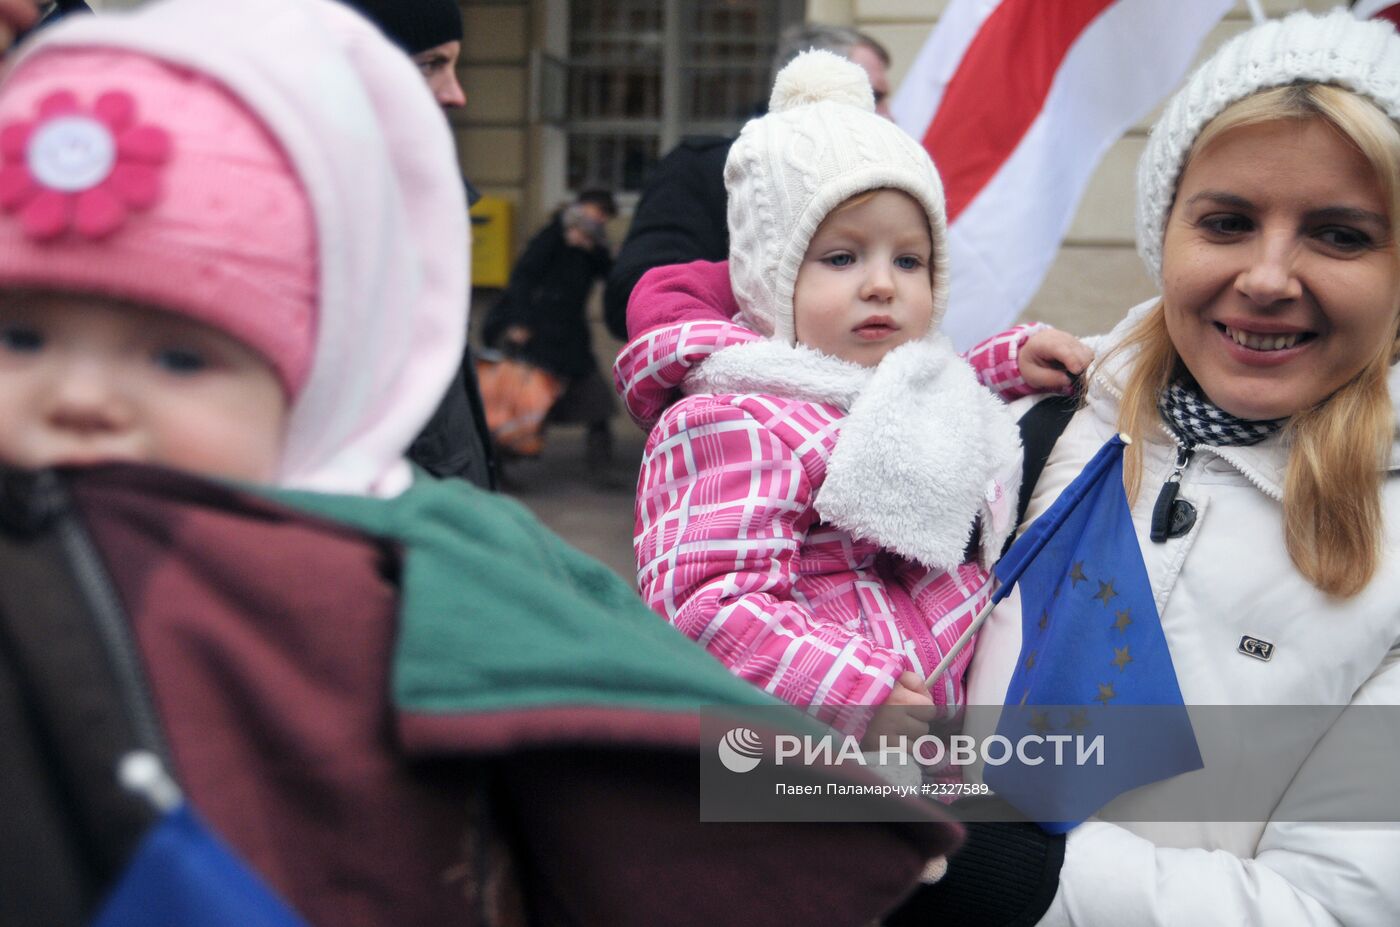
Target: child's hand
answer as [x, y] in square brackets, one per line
[906, 712]
[1051, 360]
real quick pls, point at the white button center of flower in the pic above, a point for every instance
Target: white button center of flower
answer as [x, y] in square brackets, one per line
[71, 153]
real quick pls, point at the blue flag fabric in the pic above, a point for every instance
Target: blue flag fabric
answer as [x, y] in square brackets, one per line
[183, 876]
[1092, 652]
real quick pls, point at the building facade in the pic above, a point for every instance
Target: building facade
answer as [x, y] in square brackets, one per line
[568, 94]
[529, 136]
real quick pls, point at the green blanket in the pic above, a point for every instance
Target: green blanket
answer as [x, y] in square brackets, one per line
[500, 613]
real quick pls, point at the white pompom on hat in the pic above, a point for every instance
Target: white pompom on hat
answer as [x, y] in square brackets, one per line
[819, 144]
[1360, 55]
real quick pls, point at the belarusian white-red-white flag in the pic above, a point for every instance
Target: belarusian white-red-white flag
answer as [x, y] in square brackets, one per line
[1017, 101]
[1377, 9]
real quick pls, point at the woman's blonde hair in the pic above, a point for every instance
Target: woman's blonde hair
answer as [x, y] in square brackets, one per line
[1333, 524]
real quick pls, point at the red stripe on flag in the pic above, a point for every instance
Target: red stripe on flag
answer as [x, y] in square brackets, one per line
[1377, 9]
[1000, 88]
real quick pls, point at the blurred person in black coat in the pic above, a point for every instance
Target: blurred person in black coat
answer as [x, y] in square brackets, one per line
[541, 318]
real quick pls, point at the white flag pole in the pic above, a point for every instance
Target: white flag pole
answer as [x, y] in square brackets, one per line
[961, 642]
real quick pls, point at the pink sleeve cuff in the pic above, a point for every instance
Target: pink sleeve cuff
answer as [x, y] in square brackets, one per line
[997, 361]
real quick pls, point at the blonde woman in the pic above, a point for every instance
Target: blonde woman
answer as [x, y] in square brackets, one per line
[1261, 379]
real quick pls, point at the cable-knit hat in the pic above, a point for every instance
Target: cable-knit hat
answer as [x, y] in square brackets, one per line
[131, 178]
[1360, 55]
[820, 144]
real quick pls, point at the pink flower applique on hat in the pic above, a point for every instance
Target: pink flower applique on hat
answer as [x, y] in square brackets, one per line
[70, 168]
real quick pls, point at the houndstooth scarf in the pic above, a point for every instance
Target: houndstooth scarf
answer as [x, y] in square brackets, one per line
[1194, 419]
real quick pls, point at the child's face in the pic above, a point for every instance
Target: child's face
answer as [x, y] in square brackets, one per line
[864, 287]
[86, 380]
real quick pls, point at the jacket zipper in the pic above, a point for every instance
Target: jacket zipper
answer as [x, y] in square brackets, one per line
[109, 618]
[1270, 491]
[903, 604]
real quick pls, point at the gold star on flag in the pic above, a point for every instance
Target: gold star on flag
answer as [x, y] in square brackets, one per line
[1120, 657]
[1123, 621]
[1106, 693]
[1030, 660]
[1044, 621]
[1040, 721]
[1078, 720]
[1106, 592]
[1076, 573]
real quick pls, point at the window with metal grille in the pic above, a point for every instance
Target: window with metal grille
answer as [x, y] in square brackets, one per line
[642, 75]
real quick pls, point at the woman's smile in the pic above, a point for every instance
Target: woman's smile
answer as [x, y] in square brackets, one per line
[1257, 344]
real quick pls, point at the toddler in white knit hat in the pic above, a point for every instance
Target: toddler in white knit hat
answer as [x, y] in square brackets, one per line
[821, 511]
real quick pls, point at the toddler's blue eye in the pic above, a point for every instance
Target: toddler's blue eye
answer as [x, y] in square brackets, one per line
[21, 340]
[180, 360]
[840, 260]
[907, 262]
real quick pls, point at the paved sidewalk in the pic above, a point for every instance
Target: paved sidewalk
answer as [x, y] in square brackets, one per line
[561, 492]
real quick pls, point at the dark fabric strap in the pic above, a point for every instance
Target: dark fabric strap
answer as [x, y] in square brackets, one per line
[1040, 428]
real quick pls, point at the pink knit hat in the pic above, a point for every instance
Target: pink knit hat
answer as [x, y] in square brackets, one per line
[129, 178]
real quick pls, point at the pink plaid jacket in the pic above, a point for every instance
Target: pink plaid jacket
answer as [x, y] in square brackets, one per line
[731, 551]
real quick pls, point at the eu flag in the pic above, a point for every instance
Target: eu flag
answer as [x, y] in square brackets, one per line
[182, 875]
[1093, 655]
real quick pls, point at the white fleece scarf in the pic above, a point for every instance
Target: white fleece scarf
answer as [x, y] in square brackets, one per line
[924, 450]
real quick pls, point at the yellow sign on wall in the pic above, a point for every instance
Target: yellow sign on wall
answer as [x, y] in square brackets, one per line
[491, 241]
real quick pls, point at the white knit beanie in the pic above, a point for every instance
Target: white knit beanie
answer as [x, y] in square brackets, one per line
[1360, 55]
[820, 144]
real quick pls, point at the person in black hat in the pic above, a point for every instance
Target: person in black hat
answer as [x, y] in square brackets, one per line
[429, 32]
[455, 441]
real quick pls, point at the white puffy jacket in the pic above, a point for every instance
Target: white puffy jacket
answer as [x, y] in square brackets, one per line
[1230, 576]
